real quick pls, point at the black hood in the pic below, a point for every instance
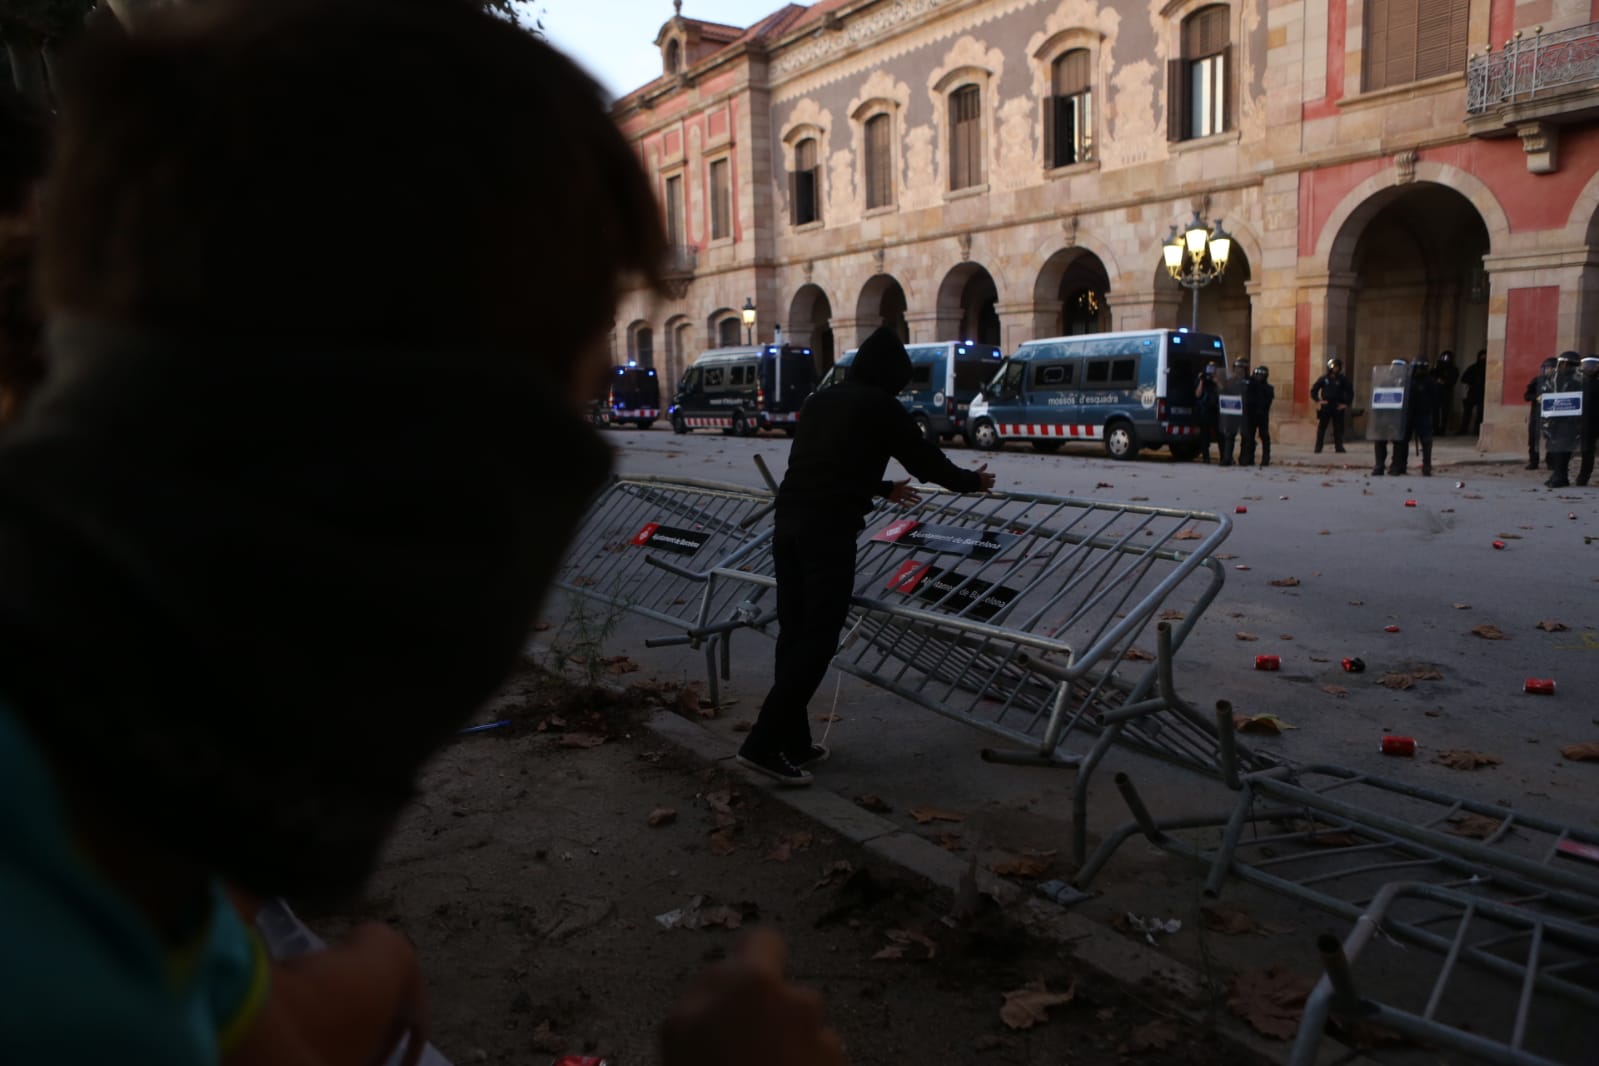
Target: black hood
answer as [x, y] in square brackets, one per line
[882, 361]
[246, 591]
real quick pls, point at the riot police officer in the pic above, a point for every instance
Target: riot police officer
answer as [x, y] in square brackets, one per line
[1386, 424]
[1561, 410]
[1334, 393]
[1534, 425]
[1258, 398]
[1421, 406]
[1207, 411]
[1230, 403]
[1590, 416]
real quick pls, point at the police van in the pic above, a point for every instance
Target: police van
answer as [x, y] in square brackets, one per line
[633, 394]
[945, 378]
[1127, 390]
[742, 390]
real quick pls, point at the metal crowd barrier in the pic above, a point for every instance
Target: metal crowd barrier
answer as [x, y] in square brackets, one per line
[1541, 972]
[1040, 619]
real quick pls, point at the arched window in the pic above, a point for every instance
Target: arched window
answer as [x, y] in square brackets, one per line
[1199, 85]
[1408, 40]
[966, 137]
[729, 332]
[805, 191]
[674, 57]
[879, 161]
[1069, 126]
[644, 346]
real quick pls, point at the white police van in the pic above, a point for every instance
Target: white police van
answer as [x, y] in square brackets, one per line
[945, 378]
[1127, 390]
[745, 389]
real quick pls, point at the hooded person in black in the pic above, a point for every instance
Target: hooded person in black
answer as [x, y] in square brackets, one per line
[847, 434]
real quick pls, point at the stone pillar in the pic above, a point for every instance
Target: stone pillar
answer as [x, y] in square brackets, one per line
[1025, 322]
[928, 326]
[1537, 307]
[849, 332]
[1325, 330]
[1149, 309]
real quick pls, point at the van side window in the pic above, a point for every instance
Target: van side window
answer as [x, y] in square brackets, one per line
[713, 377]
[691, 380]
[1052, 376]
[921, 375]
[1124, 373]
[1098, 371]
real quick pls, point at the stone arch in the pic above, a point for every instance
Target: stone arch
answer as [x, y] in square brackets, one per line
[1335, 243]
[882, 302]
[677, 344]
[810, 323]
[1223, 306]
[1071, 294]
[716, 328]
[641, 343]
[966, 305]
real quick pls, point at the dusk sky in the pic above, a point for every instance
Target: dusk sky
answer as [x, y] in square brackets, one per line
[615, 39]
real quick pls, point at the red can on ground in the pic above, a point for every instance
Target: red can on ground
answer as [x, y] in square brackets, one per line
[1404, 746]
[1354, 666]
[1540, 686]
[1268, 662]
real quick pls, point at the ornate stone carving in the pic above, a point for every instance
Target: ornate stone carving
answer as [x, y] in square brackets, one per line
[859, 30]
[879, 257]
[1405, 163]
[965, 241]
[1541, 142]
[1069, 225]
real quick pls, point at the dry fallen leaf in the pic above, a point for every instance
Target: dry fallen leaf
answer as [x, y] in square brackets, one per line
[1268, 724]
[581, 740]
[1270, 1000]
[1246, 636]
[950, 842]
[725, 917]
[743, 725]
[787, 846]
[901, 941]
[1157, 1035]
[1027, 1007]
[1226, 920]
[541, 627]
[619, 664]
[923, 815]
[1331, 840]
[834, 873]
[1138, 655]
[1188, 534]
[1476, 826]
[830, 716]
[1462, 759]
[1489, 632]
[1032, 865]
[873, 803]
[722, 842]
[1553, 627]
[1357, 603]
[1335, 690]
[1462, 606]
[1399, 682]
[662, 816]
[1587, 751]
[1285, 582]
[1170, 615]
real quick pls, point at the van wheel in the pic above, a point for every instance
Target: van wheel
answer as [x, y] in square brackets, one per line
[925, 428]
[741, 426]
[985, 436]
[1121, 440]
[646, 423]
[678, 425]
[1048, 447]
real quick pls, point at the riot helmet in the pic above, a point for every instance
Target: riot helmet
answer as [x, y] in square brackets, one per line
[1240, 363]
[1568, 358]
[1446, 356]
[1398, 362]
[1420, 364]
[1548, 364]
[1262, 373]
[1590, 365]
[1335, 364]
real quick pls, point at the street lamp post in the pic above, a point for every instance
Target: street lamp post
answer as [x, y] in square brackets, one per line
[1197, 256]
[749, 320]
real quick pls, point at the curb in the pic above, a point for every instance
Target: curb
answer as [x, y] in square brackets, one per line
[1103, 951]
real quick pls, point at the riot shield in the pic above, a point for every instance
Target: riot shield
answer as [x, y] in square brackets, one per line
[1385, 419]
[1560, 409]
[1230, 401]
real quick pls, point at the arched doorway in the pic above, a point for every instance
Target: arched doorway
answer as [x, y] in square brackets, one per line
[641, 344]
[678, 339]
[725, 328]
[810, 323]
[1414, 254]
[966, 301]
[882, 303]
[1224, 307]
[1074, 285]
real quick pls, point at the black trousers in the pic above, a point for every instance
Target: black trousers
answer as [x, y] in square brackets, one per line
[1381, 447]
[1470, 414]
[815, 576]
[1585, 470]
[1227, 443]
[1246, 450]
[1534, 432]
[1325, 416]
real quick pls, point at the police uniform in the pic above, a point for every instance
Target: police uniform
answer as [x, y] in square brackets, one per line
[1590, 416]
[1334, 393]
[1257, 417]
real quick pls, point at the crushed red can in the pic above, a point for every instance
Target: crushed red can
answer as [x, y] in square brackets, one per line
[1499, 545]
[1354, 666]
[1390, 629]
[1404, 746]
[1240, 509]
[1268, 662]
[1540, 686]
[1410, 503]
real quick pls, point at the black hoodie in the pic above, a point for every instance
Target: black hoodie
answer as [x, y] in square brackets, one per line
[847, 434]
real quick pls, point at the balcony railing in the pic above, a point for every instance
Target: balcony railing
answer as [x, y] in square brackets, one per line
[681, 260]
[1531, 66]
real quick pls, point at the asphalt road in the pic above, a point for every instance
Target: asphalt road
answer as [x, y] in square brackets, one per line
[1365, 561]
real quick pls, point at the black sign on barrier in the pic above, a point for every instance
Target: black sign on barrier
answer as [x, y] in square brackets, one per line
[931, 583]
[952, 540]
[669, 539]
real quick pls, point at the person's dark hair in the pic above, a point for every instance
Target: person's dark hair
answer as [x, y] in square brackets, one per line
[23, 141]
[412, 173]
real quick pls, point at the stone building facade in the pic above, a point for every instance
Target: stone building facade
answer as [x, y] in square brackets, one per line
[1399, 178]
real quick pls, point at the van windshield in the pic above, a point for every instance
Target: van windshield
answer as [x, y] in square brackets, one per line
[971, 375]
[1008, 381]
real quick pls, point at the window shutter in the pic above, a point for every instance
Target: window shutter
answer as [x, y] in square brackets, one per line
[1400, 67]
[793, 198]
[1432, 38]
[1229, 81]
[1065, 131]
[1072, 73]
[1050, 104]
[1176, 98]
[1376, 47]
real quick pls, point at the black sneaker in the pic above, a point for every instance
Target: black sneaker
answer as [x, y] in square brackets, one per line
[1378, 471]
[778, 766]
[816, 753]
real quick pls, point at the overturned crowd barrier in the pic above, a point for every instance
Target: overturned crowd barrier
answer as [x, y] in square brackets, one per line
[1045, 620]
[1473, 884]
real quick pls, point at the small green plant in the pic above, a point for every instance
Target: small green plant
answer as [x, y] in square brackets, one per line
[577, 648]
